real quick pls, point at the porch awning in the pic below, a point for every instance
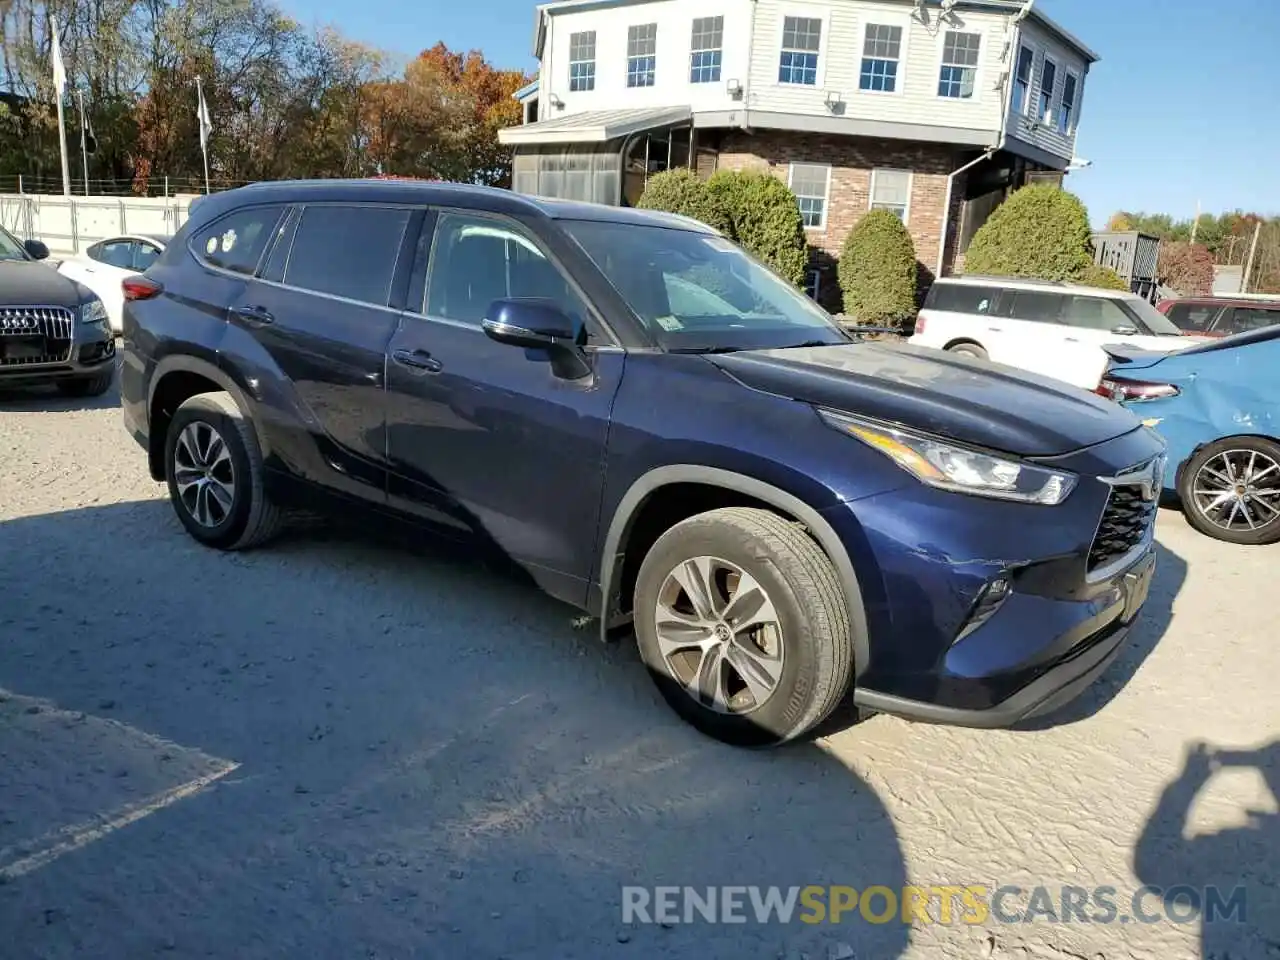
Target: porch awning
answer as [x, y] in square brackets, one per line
[595, 126]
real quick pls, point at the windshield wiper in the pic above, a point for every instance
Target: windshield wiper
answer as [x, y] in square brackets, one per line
[808, 343]
[720, 349]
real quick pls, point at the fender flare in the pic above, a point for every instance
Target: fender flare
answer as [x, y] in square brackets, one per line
[185, 363]
[817, 525]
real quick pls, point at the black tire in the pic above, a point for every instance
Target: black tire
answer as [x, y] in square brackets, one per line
[251, 519]
[94, 386]
[813, 620]
[1238, 450]
[969, 350]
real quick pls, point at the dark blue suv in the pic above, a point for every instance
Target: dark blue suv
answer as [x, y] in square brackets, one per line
[661, 432]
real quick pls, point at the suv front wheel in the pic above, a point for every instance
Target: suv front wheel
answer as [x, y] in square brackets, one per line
[741, 620]
[214, 470]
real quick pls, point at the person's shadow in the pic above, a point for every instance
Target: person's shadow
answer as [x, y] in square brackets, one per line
[1233, 872]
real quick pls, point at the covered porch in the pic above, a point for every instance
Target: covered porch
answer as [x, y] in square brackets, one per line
[604, 156]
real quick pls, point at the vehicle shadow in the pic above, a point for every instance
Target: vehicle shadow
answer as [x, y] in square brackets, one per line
[1152, 624]
[1230, 875]
[46, 397]
[432, 762]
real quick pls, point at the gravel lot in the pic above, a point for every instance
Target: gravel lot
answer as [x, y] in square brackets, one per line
[342, 747]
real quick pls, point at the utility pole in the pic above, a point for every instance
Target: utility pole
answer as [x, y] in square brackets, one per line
[84, 143]
[1248, 267]
[1195, 224]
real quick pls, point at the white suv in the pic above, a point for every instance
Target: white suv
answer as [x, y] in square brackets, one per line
[1054, 329]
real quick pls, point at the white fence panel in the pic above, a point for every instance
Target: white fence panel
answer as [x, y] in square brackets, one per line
[69, 224]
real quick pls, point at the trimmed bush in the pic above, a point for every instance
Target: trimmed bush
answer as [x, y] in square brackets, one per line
[878, 270]
[685, 193]
[764, 217]
[1100, 276]
[1041, 231]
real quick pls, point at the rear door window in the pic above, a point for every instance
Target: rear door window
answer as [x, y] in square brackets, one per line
[116, 253]
[1193, 317]
[144, 255]
[237, 241]
[347, 251]
[1095, 313]
[962, 298]
[1243, 319]
[1035, 306]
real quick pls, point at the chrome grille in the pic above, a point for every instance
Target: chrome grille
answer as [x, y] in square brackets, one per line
[32, 335]
[1129, 516]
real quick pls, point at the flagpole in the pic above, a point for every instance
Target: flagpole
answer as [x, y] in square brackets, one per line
[204, 138]
[59, 83]
[84, 142]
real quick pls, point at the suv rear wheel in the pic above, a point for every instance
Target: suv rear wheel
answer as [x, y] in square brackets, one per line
[1230, 490]
[741, 620]
[214, 469]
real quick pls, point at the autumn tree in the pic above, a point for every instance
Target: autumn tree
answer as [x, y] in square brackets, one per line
[1186, 267]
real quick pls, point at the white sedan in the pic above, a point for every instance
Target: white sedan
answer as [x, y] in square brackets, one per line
[102, 266]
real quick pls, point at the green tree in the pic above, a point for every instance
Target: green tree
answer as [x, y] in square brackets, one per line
[877, 270]
[684, 192]
[1100, 276]
[764, 217]
[1041, 231]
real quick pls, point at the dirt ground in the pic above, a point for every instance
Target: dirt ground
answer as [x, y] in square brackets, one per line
[342, 747]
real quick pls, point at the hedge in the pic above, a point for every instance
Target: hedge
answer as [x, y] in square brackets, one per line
[684, 192]
[1041, 231]
[1100, 276]
[764, 217]
[877, 270]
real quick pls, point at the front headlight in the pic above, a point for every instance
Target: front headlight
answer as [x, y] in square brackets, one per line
[949, 466]
[93, 311]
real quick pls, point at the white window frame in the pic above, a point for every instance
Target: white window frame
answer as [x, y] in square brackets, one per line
[719, 49]
[626, 60]
[808, 13]
[1031, 80]
[911, 185]
[977, 67]
[594, 61]
[904, 54]
[1075, 104]
[1050, 118]
[826, 195]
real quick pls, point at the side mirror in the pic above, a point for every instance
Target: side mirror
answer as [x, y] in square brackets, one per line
[538, 325]
[37, 249]
[1125, 330]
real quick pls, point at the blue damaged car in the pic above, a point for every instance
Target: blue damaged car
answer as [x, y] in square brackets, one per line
[1218, 407]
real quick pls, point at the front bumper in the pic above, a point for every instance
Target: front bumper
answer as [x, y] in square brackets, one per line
[92, 349]
[926, 560]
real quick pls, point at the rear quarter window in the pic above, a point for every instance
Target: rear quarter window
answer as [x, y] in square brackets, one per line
[961, 298]
[237, 240]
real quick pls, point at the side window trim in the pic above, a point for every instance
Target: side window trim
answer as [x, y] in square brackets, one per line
[407, 257]
[301, 209]
[596, 327]
[283, 240]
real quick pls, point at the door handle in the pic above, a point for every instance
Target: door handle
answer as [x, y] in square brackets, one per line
[418, 360]
[254, 315]
[1070, 340]
[996, 329]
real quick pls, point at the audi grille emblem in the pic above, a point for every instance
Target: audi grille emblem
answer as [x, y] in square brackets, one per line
[19, 323]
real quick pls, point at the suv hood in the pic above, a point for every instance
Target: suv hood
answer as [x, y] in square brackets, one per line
[972, 401]
[31, 283]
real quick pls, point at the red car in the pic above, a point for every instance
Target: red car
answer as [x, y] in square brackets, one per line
[1220, 316]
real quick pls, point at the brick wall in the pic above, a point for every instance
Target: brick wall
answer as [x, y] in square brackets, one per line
[852, 159]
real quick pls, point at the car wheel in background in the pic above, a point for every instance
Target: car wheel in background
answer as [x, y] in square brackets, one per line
[94, 386]
[1230, 490]
[741, 620]
[968, 350]
[214, 470]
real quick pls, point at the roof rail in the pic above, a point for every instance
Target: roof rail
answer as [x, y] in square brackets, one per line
[997, 279]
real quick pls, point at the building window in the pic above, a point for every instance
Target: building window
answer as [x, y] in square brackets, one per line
[801, 41]
[642, 54]
[813, 284]
[1067, 113]
[582, 61]
[1022, 80]
[959, 65]
[881, 51]
[1048, 80]
[891, 190]
[810, 182]
[705, 49]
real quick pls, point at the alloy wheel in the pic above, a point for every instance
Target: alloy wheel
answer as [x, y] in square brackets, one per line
[1238, 490]
[204, 474]
[719, 635]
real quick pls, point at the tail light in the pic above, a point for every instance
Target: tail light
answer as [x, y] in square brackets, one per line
[139, 288]
[1122, 390]
[919, 327]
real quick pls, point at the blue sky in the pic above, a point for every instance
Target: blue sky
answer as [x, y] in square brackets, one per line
[1182, 107]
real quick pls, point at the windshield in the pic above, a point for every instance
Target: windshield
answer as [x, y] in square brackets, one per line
[10, 248]
[1153, 319]
[698, 293]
